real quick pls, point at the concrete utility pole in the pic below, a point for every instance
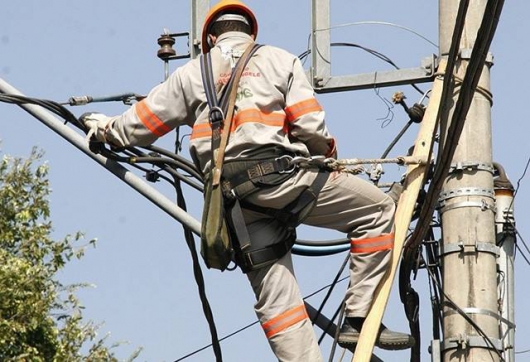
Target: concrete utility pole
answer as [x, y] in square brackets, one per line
[467, 204]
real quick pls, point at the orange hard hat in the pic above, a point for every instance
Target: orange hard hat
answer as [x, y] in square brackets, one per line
[227, 7]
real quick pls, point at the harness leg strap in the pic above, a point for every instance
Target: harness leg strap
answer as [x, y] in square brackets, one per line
[292, 215]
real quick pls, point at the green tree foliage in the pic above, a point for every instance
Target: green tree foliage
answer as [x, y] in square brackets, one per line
[40, 319]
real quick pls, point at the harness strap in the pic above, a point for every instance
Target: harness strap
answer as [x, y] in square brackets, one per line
[221, 111]
[244, 177]
[259, 258]
[292, 215]
[238, 226]
[219, 106]
[216, 114]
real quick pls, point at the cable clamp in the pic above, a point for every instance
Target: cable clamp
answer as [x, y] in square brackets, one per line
[465, 191]
[463, 341]
[466, 54]
[482, 311]
[460, 247]
[458, 167]
[482, 204]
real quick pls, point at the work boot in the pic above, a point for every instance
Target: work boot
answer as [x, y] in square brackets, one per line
[387, 339]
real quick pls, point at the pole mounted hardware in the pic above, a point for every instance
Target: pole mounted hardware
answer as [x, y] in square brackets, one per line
[166, 42]
[167, 52]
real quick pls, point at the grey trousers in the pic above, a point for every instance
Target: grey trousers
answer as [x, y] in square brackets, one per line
[348, 204]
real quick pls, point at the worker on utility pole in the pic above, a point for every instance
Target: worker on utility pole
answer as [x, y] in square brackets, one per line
[277, 119]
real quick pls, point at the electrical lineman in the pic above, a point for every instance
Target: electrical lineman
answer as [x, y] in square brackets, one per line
[276, 118]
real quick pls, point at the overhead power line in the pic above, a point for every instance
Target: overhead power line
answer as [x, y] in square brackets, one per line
[380, 23]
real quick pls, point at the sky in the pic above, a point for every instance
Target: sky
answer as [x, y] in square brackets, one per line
[144, 294]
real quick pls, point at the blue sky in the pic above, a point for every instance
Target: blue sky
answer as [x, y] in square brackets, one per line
[145, 293]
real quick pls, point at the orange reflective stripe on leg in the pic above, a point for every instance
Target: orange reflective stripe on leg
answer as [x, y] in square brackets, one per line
[370, 245]
[284, 320]
[151, 120]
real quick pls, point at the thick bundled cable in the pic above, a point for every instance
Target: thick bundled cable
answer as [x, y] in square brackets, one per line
[469, 84]
[445, 156]
[52, 106]
[408, 295]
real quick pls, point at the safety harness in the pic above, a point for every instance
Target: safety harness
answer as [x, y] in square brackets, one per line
[241, 178]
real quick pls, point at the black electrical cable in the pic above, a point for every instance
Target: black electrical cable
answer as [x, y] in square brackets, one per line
[47, 104]
[251, 324]
[397, 138]
[342, 309]
[139, 157]
[410, 298]
[434, 266]
[169, 165]
[450, 303]
[521, 178]
[519, 248]
[333, 317]
[61, 111]
[330, 290]
[220, 340]
[199, 278]
[183, 163]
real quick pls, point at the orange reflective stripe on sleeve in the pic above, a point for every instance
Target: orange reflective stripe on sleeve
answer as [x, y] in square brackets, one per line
[370, 245]
[297, 110]
[201, 130]
[284, 320]
[151, 120]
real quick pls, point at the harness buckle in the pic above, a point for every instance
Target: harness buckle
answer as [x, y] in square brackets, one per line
[314, 161]
[214, 113]
[291, 165]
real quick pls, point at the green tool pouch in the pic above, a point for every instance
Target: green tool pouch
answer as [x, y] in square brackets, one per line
[216, 248]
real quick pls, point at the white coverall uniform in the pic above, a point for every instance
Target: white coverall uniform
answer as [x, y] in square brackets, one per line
[275, 109]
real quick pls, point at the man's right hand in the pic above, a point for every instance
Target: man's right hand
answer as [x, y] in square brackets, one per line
[95, 126]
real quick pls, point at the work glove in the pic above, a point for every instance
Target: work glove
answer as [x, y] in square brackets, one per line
[95, 126]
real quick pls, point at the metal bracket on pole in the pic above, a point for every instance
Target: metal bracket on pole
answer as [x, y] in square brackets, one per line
[465, 191]
[434, 350]
[483, 205]
[443, 206]
[377, 79]
[465, 341]
[320, 43]
[478, 247]
[320, 72]
[481, 311]
[470, 166]
[466, 54]
[199, 9]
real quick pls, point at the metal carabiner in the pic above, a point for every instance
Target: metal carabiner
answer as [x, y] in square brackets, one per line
[292, 165]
